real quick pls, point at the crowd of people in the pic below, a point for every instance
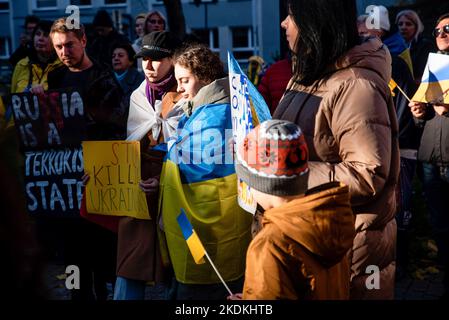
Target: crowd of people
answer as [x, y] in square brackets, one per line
[331, 173]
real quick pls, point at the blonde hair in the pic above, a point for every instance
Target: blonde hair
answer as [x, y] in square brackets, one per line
[413, 17]
[154, 12]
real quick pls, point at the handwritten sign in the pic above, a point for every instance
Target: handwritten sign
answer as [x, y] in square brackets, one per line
[113, 188]
[242, 123]
[51, 120]
[50, 128]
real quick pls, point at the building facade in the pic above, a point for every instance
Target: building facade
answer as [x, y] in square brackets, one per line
[244, 27]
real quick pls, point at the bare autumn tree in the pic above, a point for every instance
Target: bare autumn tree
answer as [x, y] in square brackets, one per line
[175, 17]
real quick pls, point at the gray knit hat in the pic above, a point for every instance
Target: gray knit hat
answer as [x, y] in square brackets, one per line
[273, 159]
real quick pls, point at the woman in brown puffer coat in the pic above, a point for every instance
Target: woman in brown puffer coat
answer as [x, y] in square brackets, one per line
[339, 96]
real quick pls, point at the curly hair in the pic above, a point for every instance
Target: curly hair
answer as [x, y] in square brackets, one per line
[201, 61]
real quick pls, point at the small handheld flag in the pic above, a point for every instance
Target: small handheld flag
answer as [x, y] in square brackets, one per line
[195, 245]
[193, 242]
[393, 85]
[434, 87]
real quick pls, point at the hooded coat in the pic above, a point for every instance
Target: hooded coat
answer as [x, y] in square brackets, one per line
[301, 251]
[350, 125]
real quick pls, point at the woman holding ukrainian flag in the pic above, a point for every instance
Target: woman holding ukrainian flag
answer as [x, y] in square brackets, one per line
[199, 178]
[430, 107]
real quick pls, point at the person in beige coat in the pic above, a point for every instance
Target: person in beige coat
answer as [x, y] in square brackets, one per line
[339, 96]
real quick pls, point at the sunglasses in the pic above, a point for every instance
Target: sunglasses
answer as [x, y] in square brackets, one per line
[438, 31]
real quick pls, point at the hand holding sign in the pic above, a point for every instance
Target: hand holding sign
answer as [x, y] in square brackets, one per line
[149, 186]
[114, 170]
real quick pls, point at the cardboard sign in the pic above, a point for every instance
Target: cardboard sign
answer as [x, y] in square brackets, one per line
[55, 119]
[113, 188]
[50, 128]
[242, 123]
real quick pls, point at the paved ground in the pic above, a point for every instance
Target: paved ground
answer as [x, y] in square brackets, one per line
[429, 288]
[411, 287]
[56, 290]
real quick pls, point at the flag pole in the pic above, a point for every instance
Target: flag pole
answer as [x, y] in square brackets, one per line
[218, 273]
[402, 91]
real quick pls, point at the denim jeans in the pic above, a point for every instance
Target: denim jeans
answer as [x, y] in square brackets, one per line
[128, 289]
[436, 190]
[404, 213]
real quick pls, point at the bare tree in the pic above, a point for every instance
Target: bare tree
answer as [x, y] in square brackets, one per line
[175, 17]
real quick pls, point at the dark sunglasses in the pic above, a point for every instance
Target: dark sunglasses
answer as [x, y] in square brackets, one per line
[438, 31]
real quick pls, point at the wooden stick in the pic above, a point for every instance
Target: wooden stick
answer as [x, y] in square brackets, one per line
[218, 273]
[402, 91]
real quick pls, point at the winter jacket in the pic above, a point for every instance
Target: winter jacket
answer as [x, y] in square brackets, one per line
[434, 147]
[131, 82]
[301, 251]
[419, 51]
[351, 129]
[28, 73]
[105, 106]
[409, 133]
[138, 253]
[274, 82]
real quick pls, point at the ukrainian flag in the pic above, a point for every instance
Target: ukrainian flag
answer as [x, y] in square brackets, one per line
[193, 242]
[397, 47]
[207, 191]
[434, 85]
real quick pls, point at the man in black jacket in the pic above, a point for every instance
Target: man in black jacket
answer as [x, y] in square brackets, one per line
[87, 245]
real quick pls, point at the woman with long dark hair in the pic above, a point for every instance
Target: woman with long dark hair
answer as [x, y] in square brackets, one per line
[339, 96]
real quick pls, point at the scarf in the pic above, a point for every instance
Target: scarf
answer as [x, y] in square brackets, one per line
[120, 77]
[144, 117]
[155, 91]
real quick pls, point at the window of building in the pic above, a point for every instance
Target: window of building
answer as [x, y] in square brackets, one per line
[4, 48]
[4, 5]
[242, 43]
[81, 2]
[208, 37]
[44, 4]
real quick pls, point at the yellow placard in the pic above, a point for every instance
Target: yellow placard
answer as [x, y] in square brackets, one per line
[113, 187]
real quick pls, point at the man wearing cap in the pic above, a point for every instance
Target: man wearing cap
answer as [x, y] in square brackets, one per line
[155, 109]
[301, 251]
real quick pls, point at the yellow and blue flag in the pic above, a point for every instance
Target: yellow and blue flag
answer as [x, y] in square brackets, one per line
[199, 177]
[434, 87]
[193, 242]
[392, 85]
[397, 47]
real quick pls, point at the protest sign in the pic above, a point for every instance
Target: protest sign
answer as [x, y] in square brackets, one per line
[244, 98]
[113, 188]
[50, 128]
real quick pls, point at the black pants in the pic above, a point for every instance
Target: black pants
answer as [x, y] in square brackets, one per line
[92, 248]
